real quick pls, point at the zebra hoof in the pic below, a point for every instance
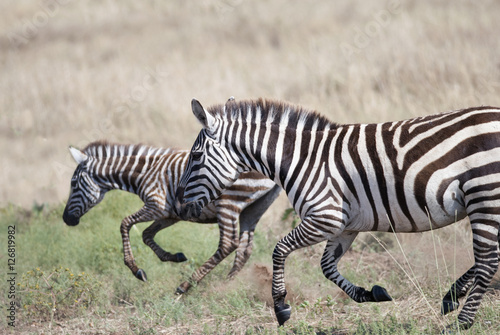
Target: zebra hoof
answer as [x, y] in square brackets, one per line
[179, 291]
[449, 306]
[283, 314]
[380, 294]
[141, 274]
[179, 257]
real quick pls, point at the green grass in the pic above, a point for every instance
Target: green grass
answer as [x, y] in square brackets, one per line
[80, 270]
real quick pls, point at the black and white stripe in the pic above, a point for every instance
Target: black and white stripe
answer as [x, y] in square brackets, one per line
[153, 174]
[406, 176]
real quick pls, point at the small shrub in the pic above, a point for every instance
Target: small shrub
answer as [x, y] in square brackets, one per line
[57, 294]
[389, 326]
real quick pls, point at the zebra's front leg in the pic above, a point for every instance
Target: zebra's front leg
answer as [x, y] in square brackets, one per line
[148, 238]
[334, 250]
[141, 216]
[227, 244]
[128, 257]
[296, 239]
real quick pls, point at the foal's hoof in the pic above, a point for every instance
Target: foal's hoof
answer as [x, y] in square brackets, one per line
[449, 306]
[141, 274]
[179, 257]
[380, 294]
[283, 314]
[183, 288]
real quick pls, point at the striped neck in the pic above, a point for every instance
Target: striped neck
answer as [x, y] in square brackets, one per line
[272, 135]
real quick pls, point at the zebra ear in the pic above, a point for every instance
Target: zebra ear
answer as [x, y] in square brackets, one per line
[206, 120]
[78, 155]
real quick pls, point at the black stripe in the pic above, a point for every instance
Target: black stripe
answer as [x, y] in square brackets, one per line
[371, 141]
[339, 162]
[354, 153]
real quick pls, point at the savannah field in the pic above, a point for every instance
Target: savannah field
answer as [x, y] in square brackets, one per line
[77, 71]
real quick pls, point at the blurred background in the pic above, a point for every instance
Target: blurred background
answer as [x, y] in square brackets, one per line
[77, 71]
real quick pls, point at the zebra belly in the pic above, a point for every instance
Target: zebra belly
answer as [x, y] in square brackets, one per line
[445, 195]
[399, 221]
[439, 207]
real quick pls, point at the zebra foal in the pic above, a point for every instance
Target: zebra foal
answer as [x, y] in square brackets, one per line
[153, 174]
[406, 176]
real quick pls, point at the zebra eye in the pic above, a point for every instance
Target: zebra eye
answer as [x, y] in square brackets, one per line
[196, 155]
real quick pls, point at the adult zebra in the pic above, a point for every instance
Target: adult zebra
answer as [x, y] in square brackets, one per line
[153, 174]
[407, 176]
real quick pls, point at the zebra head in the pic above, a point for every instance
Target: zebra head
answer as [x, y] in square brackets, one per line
[85, 191]
[210, 169]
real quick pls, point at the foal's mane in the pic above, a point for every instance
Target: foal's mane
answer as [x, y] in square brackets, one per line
[103, 149]
[272, 111]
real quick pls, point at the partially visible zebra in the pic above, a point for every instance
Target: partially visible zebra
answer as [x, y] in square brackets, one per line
[153, 174]
[407, 176]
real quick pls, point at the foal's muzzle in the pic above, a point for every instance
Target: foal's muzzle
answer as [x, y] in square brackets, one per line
[186, 210]
[70, 219]
[190, 210]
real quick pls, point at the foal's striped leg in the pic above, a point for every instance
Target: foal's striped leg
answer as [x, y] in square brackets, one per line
[243, 252]
[141, 215]
[249, 217]
[148, 238]
[227, 244]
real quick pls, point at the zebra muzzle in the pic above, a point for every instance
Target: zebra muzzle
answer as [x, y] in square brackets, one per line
[70, 220]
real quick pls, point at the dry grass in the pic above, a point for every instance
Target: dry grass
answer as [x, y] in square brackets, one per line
[76, 71]
[124, 305]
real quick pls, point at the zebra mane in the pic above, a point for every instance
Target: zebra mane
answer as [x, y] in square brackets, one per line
[272, 111]
[103, 149]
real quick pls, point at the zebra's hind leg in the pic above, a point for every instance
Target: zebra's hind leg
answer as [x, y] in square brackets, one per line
[227, 244]
[458, 290]
[485, 233]
[243, 252]
[334, 250]
[249, 217]
[148, 238]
